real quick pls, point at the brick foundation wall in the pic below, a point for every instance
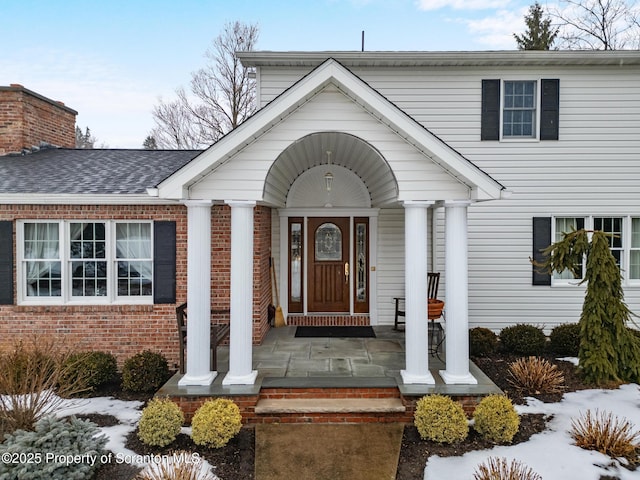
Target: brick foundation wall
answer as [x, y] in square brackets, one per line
[27, 118]
[328, 320]
[247, 405]
[125, 330]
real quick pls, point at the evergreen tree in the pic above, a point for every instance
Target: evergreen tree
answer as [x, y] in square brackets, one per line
[609, 351]
[539, 35]
[150, 143]
[84, 140]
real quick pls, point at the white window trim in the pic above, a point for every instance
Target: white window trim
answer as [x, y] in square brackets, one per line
[66, 299]
[536, 137]
[625, 260]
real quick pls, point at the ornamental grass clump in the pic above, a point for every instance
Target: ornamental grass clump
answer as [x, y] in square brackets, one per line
[180, 466]
[535, 375]
[498, 468]
[607, 434]
[438, 418]
[496, 419]
[160, 422]
[215, 423]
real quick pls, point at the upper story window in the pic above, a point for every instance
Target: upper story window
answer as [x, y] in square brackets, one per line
[520, 109]
[85, 262]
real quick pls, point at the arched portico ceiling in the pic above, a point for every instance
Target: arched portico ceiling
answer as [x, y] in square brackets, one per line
[347, 151]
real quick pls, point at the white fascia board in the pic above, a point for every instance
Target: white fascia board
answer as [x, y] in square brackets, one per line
[330, 71]
[176, 185]
[415, 134]
[84, 199]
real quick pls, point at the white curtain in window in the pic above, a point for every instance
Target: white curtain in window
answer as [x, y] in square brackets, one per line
[133, 241]
[41, 243]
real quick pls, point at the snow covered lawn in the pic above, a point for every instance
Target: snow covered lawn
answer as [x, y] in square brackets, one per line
[552, 453]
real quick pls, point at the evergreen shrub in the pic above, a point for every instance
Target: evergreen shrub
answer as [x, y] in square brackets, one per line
[160, 422]
[565, 340]
[64, 438]
[94, 369]
[482, 342]
[523, 339]
[215, 423]
[440, 419]
[496, 419]
[145, 372]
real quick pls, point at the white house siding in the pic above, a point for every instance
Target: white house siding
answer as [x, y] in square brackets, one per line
[390, 267]
[593, 169]
[329, 111]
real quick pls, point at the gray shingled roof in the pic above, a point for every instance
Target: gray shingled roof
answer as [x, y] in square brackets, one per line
[99, 172]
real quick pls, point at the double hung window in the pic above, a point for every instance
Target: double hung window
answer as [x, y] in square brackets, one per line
[519, 109]
[624, 243]
[85, 261]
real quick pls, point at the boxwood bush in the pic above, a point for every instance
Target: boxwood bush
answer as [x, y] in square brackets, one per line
[482, 342]
[94, 369]
[496, 419]
[523, 339]
[565, 340]
[160, 422]
[440, 419]
[215, 423]
[145, 372]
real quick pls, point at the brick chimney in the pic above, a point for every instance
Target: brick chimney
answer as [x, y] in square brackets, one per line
[27, 119]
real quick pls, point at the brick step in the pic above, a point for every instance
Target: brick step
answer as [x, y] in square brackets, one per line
[271, 406]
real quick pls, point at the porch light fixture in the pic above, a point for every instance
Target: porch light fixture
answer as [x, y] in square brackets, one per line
[328, 177]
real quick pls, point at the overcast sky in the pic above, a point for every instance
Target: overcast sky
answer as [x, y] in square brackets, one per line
[111, 60]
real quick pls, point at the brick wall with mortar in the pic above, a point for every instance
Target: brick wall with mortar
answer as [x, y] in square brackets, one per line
[125, 330]
[247, 405]
[27, 119]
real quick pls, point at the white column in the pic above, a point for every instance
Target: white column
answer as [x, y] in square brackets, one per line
[198, 370]
[457, 295]
[415, 274]
[241, 333]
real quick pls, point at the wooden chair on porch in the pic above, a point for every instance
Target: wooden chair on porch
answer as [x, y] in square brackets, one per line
[218, 333]
[435, 312]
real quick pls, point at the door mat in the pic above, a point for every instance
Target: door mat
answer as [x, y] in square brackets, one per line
[344, 332]
[328, 451]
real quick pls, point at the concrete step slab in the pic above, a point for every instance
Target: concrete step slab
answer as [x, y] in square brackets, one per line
[268, 406]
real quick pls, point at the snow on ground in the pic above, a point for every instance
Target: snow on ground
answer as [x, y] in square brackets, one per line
[128, 413]
[552, 453]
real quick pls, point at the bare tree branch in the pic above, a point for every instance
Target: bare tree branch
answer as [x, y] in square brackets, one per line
[222, 95]
[598, 24]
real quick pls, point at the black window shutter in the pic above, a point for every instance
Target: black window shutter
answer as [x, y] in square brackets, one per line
[164, 262]
[6, 263]
[490, 123]
[541, 240]
[550, 109]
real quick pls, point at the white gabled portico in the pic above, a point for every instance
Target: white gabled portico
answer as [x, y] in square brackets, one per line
[385, 159]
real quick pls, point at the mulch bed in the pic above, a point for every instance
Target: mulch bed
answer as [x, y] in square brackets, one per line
[236, 460]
